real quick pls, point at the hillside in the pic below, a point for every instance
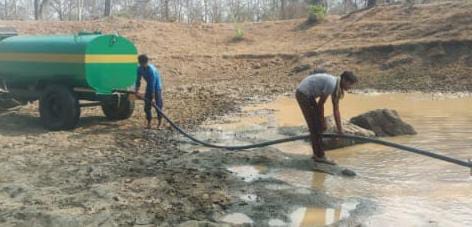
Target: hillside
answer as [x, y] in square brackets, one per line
[425, 47]
[384, 40]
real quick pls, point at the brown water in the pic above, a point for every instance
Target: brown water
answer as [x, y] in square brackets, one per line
[409, 190]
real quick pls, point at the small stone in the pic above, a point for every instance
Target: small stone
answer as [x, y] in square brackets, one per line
[256, 66]
[348, 172]
[301, 68]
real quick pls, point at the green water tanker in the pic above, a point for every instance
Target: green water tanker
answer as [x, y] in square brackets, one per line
[67, 72]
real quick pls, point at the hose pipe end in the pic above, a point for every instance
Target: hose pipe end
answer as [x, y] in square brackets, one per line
[470, 164]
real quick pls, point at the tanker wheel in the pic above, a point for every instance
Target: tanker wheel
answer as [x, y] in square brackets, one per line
[120, 108]
[59, 108]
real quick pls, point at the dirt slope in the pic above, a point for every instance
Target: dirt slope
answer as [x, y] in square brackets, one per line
[385, 43]
[383, 25]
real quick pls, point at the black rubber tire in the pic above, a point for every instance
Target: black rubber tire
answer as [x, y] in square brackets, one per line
[119, 108]
[59, 108]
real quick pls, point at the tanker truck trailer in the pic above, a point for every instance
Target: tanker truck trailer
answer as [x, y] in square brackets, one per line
[66, 73]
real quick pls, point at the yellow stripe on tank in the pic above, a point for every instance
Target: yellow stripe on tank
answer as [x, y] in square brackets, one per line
[111, 59]
[44, 58]
[68, 58]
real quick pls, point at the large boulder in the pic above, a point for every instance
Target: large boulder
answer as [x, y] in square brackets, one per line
[328, 143]
[348, 128]
[383, 122]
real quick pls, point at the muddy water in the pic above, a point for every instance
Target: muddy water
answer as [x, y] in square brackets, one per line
[409, 190]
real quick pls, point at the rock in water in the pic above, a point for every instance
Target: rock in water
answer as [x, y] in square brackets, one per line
[348, 173]
[348, 128]
[384, 122]
[329, 143]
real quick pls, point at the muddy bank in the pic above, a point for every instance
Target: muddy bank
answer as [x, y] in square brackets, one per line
[116, 174]
[155, 184]
[255, 193]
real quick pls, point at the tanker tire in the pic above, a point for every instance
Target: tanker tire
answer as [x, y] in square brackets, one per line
[117, 111]
[59, 108]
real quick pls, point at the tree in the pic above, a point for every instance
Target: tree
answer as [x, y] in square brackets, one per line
[371, 3]
[6, 9]
[80, 9]
[283, 6]
[318, 2]
[107, 8]
[39, 8]
[165, 8]
[59, 7]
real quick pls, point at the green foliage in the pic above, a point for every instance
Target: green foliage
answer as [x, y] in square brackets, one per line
[316, 13]
[238, 34]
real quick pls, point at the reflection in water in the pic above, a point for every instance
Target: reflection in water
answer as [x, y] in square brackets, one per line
[314, 217]
[249, 173]
[320, 216]
[237, 219]
[317, 180]
[277, 222]
[410, 190]
[249, 197]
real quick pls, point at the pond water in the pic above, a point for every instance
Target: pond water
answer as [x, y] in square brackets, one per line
[409, 190]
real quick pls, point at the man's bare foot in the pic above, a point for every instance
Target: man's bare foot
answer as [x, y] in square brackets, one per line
[323, 160]
[148, 126]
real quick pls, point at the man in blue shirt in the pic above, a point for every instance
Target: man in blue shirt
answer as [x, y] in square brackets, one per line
[153, 88]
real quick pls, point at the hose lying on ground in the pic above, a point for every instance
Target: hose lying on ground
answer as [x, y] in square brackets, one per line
[325, 135]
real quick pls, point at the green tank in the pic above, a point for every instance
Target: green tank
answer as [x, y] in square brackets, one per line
[99, 62]
[60, 70]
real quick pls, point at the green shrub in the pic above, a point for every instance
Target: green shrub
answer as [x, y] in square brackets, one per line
[316, 13]
[238, 34]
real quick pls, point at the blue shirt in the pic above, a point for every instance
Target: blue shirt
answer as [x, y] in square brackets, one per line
[152, 77]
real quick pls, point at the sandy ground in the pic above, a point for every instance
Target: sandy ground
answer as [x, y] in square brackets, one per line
[116, 174]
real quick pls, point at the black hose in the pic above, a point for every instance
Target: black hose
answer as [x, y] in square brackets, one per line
[325, 135]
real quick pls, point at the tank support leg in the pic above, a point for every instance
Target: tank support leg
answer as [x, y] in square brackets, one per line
[90, 104]
[4, 88]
